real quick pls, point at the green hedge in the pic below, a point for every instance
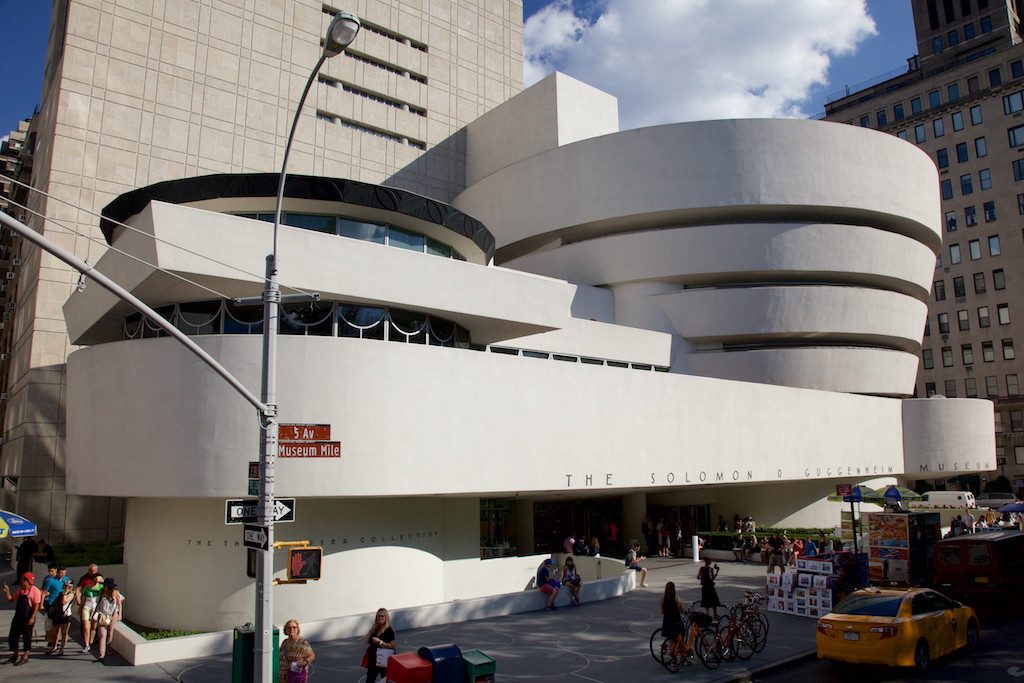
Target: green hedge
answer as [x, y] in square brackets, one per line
[84, 554]
[158, 633]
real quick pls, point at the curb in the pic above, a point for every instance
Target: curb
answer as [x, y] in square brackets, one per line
[748, 675]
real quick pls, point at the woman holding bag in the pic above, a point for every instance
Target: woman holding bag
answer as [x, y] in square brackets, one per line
[107, 613]
[295, 657]
[380, 637]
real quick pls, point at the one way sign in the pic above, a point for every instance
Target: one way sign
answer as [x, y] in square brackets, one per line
[247, 511]
[255, 537]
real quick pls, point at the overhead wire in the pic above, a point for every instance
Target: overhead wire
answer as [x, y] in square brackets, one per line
[141, 232]
[90, 239]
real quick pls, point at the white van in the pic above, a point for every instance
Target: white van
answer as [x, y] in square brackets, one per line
[957, 499]
[996, 499]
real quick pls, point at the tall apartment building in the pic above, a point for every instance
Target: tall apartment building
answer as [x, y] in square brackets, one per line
[133, 96]
[962, 101]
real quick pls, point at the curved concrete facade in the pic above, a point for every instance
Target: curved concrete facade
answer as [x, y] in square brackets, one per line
[695, 313]
[780, 244]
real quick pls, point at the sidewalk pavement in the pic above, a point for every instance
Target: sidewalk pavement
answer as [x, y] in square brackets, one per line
[605, 641]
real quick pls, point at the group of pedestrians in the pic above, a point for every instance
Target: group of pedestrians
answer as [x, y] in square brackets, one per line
[96, 598]
[296, 654]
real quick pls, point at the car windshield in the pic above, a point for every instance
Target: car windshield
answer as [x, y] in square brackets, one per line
[870, 605]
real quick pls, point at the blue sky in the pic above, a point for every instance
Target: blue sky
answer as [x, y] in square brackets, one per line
[815, 46]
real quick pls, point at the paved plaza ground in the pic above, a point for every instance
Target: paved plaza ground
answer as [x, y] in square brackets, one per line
[605, 641]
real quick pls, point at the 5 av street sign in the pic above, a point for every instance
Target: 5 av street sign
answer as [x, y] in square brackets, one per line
[247, 511]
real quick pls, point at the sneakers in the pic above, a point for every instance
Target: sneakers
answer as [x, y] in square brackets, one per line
[86, 650]
[575, 602]
[551, 608]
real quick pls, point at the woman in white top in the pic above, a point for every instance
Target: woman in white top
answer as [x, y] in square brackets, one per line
[571, 578]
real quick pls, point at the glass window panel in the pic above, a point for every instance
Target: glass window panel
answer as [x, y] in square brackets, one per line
[408, 326]
[442, 332]
[975, 115]
[366, 322]
[974, 246]
[983, 317]
[406, 240]
[200, 317]
[967, 351]
[438, 249]
[307, 318]
[367, 232]
[998, 279]
[958, 120]
[980, 148]
[937, 128]
[993, 245]
[308, 221]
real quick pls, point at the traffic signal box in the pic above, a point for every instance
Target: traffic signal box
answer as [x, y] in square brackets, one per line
[304, 563]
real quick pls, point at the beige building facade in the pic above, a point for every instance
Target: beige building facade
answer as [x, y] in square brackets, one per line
[960, 101]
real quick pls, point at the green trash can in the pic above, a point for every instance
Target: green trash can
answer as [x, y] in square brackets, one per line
[477, 667]
[243, 645]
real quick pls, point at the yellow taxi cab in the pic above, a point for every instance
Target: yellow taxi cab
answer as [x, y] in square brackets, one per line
[896, 627]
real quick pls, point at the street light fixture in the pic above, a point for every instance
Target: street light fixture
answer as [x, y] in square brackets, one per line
[342, 31]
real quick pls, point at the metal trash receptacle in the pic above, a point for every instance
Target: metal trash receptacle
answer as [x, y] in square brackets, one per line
[408, 667]
[243, 644]
[447, 662]
[477, 667]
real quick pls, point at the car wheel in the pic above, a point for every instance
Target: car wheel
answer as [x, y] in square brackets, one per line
[921, 657]
[973, 635]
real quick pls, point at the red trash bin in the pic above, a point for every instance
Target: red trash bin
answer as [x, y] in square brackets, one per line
[409, 668]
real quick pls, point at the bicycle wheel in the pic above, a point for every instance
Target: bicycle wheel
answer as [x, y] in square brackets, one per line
[724, 638]
[670, 662]
[656, 638]
[758, 633]
[764, 622]
[744, 641]
[706, 649]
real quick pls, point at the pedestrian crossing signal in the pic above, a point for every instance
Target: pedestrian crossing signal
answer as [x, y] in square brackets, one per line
[304, 563]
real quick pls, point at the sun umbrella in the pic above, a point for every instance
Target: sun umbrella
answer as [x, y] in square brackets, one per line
[15, 525]
[860, 494]
[1012, 507]
[900, 493]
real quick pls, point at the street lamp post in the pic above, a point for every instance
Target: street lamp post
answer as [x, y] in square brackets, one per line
[342, 31]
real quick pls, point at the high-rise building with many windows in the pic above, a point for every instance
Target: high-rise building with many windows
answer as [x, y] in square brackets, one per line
[961, 100]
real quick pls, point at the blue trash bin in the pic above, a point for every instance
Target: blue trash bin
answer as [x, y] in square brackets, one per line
[447, 661]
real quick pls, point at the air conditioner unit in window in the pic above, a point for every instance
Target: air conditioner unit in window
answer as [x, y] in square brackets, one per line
[3, 288]
[16, 262]
[3, 396]
[10, 274]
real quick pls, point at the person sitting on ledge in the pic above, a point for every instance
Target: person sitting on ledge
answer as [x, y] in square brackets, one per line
[737, 546]
[633, 560]
[547, 583]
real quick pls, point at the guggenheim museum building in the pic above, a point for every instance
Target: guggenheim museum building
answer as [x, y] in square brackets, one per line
[529, 321]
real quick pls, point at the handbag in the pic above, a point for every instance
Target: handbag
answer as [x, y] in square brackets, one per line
[104, 619]
[382, 657]
[366, 659]
[297, 676]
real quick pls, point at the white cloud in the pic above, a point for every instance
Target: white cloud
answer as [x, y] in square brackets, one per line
[685, 60]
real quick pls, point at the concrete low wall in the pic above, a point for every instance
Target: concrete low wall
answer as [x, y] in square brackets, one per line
[137, 650]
